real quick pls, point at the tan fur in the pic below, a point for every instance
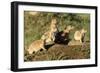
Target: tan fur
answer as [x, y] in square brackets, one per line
[67, 30]
[36, 46]
[50, 35]
[47, 36]
[79, 35]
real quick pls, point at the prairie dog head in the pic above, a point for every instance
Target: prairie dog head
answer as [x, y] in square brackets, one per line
[68, 29]
[53, 21]
[83, 31]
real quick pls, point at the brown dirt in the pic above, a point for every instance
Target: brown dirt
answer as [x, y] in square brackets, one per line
[60, 52]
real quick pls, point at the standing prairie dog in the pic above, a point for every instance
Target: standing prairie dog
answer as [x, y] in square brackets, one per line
[79, 35]
[50, 35]
[36, 46]
[53, 29]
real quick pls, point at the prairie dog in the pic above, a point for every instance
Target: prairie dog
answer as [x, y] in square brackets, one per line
[50, 35]
[79, 35]
[47, 36]
[53, 29]
[36, 46]
[53, 25]
[67, 30]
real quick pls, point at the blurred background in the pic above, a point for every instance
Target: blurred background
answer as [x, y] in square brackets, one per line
[37, 23]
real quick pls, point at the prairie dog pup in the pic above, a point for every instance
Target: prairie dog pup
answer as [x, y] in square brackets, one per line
[36, 46]
[50, 35]
[79, 35]
[67, 30]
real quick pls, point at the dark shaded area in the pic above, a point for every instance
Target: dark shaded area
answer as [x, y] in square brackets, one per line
[48, 46]
[83, 37]
[60, 38]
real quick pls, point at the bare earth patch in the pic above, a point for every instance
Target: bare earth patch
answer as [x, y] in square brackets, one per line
[60, 52]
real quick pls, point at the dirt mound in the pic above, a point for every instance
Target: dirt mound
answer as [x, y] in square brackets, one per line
[60, 52]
